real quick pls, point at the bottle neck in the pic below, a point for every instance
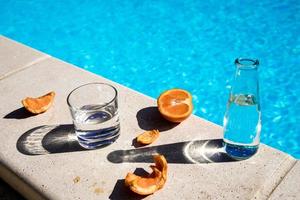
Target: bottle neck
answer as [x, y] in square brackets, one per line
[246, 77]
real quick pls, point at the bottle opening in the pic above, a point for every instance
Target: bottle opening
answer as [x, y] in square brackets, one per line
[246, 63]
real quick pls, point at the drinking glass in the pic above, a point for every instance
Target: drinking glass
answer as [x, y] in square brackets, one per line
[94, 110]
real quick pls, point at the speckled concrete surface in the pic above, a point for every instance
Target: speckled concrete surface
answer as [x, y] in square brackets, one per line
[15, 57]
[42, 152]
[289, 188]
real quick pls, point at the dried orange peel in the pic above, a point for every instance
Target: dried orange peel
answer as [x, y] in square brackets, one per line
[162, 165]
[40, 104]
[147, 137]
[175, 105]
[153, 182]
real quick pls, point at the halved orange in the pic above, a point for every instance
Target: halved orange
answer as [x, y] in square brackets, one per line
[39, 104]
[148, 137]
[151, 183]
[175, 105]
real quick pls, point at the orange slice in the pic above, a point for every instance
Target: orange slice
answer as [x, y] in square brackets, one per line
[39, 104]
[148, 137]
[151, 183]
[144, 185]
[130, 177]
[175, 105]
[162, 165]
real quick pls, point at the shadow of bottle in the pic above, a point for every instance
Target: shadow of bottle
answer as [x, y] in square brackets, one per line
[190, 152]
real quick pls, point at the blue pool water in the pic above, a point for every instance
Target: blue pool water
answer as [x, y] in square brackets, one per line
[152, 46]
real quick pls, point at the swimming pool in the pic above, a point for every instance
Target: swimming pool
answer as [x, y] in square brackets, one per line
[152, 46]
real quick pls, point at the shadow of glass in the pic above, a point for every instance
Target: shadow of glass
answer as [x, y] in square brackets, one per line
[149, 118]
[49, 139]
[20, 113]
[190, 152]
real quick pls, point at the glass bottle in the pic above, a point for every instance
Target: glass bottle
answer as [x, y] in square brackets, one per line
[242, 120]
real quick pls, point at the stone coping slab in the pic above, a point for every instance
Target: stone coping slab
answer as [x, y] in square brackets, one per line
[289, 188]
[15, 57]
[40, 157]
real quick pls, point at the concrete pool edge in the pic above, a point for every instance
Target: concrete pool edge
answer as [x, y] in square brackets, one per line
[18, 184]
[270, 187]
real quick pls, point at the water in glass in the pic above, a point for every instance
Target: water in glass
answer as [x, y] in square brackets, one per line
[96, 125]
